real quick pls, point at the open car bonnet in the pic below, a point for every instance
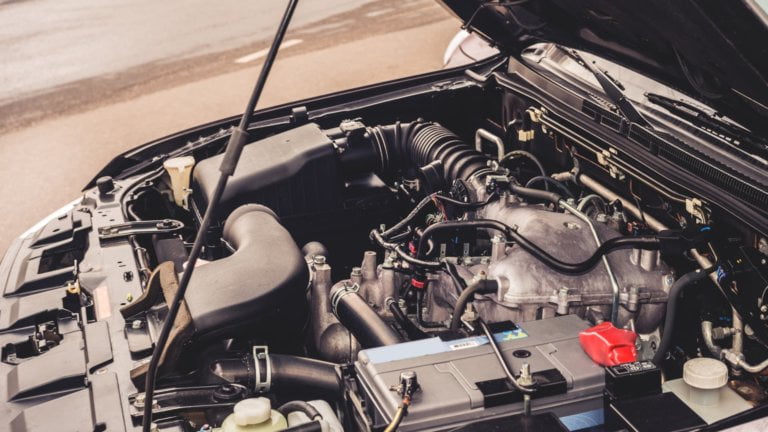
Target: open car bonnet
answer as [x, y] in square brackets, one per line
[711, 50]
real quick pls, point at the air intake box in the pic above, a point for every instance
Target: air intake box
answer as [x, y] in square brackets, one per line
[293, 173]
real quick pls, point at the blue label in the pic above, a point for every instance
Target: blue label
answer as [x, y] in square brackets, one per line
[436, 345]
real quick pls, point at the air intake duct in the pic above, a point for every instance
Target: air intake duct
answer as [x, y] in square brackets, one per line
[390, 149]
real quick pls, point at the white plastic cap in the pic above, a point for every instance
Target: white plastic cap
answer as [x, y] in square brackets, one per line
[179, 163]
[705, 373]
[252, 411]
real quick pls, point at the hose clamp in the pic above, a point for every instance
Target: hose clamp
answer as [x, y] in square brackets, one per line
[338, 293]
[262, 369]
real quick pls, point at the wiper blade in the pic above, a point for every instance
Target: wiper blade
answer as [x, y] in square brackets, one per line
[612, 88]
[742, 138]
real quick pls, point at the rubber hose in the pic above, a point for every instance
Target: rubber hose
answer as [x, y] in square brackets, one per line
[413, 332]
[525, 154]
[287, 371]
[297, 372]
[549, 180]
[669, 321]
[461, 302]
[314, 426]
[300, 406]
[361, 320]
[535, 194]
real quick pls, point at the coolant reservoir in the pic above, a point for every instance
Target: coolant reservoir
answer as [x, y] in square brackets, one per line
[179, 170]
[253, 415]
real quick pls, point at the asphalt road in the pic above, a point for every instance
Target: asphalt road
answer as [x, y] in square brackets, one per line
[49, 43]
[59, 127]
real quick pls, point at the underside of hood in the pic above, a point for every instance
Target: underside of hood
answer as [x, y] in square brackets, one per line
[712, 50]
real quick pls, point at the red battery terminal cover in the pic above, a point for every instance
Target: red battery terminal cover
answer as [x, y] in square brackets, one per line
[608, 345]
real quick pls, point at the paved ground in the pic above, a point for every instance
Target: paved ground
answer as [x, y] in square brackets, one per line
[52, 140]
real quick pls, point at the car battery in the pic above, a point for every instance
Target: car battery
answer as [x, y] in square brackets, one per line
[462, 382]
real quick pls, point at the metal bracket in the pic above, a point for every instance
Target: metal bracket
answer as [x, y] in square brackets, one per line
[604, 159]
[695, 207]
[263, 380]
[139, 228]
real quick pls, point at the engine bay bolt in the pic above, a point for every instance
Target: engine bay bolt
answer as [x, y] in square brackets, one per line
[356, 273]
[318, 259]
[141, 399]
[137, 324]
[129, 297]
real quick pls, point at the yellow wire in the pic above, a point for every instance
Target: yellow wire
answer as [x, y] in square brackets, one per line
[396, 420]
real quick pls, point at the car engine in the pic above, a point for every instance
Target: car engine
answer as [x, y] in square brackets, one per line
[366, 272]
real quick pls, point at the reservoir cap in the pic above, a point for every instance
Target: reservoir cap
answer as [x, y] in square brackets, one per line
[253, 411]
[705, 373]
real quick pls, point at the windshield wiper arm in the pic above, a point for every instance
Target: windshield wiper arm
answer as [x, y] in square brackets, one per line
[748, 141]
[613, 90]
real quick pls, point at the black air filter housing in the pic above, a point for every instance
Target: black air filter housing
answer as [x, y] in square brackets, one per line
[263, 281]
[294, 173]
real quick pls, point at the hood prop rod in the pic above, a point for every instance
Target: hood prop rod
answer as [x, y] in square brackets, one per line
[237, 140]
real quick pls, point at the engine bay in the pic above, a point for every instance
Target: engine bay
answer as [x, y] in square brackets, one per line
[445, 262]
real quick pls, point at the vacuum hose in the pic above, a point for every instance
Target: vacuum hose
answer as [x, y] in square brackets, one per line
[669, 321]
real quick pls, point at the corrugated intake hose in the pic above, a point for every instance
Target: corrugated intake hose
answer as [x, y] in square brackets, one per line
[420, 143]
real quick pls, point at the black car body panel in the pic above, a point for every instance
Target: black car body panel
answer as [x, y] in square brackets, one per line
[710, 49]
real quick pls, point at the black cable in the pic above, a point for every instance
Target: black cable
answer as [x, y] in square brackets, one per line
[420, 311]
[410, 329]
[429, 199]
[234, 148]
[642, 242]
[461, 302]
[678, 287]
[300, 406]
[528, 155]
[458, 281]
[495, 346]
[549, 180]
[431, 230]
[415, 261]
[468, 205]
[420, 206]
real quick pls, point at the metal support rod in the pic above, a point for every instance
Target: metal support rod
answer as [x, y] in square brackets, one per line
[611, 276]
[482, 134]
[234, 148]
